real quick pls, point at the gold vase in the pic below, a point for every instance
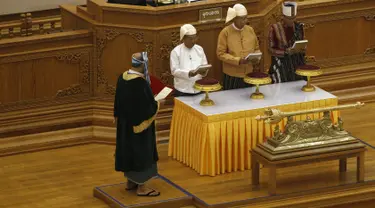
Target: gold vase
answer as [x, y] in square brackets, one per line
[207, 88]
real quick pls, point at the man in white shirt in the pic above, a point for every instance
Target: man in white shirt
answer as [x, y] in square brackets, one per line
[185, 58]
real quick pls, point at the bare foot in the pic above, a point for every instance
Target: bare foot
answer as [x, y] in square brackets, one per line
[145, 191]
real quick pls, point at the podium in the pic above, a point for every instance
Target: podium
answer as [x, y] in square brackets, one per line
[120, 30]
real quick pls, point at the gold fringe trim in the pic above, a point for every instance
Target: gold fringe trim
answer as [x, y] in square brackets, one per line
[126, 76]
[145, 124]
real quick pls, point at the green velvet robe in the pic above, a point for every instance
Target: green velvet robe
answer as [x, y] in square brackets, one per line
[135, 109]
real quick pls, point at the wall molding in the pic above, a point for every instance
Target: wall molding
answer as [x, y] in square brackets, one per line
[326, 17]
[366, 57]
[68, 54]
[310, 4]
[80, 56]
[63, 138]
[80, 114]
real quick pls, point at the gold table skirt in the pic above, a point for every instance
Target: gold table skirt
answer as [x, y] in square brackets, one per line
[218, 144]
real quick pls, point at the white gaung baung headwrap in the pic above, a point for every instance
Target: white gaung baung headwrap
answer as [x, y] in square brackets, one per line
[238, 10]
[290, 8]
[187, 29]
[138, 63]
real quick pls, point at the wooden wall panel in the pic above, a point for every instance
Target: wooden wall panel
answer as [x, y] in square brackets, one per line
[113, 51]
[70, 21]
[36, 79]
[115, 60]
[347, 37]
[46, 69]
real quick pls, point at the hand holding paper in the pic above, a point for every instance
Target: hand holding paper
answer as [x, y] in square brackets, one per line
[202, 70]
[300, 45]
[163, 93]
[254, 56]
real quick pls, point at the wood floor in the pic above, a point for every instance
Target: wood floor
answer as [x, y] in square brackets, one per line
[66, 177]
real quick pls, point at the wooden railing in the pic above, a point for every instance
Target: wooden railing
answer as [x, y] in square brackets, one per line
[28, 26]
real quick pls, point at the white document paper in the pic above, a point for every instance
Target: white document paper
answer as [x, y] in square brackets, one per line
[206, 67]
[163, 93]
[254, 55]
[300, 44]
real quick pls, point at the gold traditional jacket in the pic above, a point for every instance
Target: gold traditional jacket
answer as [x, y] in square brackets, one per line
[234, 44]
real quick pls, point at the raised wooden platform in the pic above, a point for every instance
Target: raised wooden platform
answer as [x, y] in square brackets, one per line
[116, 196]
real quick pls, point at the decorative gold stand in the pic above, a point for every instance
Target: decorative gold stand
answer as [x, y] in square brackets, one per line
[308, 136]
[305, 142]
[257, 81]
[207, 88]
[309, 71]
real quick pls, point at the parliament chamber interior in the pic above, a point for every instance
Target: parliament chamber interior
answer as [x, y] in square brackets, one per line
[253, 130]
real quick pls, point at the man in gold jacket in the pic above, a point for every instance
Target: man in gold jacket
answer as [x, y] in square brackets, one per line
[235, 42]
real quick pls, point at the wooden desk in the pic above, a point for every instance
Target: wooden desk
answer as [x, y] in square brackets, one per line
[121, 30]
[257, 159]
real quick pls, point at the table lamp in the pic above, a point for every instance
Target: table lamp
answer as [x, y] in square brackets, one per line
[207, 85]
[309, 71]
[257, 78]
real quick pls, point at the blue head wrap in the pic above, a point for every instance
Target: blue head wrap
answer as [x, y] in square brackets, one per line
[138, 63]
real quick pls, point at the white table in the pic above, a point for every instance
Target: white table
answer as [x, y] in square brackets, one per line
[239, 99]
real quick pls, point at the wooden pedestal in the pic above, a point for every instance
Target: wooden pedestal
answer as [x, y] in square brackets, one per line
[258, 157]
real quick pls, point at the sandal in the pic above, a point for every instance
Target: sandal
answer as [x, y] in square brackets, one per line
[150, 193]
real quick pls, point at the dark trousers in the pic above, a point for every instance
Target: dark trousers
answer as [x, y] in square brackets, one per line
[234, 83]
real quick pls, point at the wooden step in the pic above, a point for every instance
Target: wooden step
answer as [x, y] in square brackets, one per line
[363, 94]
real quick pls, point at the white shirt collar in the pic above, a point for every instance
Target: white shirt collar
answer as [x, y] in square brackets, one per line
[186, 48]
[234, 26]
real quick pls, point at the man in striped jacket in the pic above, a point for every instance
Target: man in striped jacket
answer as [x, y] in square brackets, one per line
[282, 36]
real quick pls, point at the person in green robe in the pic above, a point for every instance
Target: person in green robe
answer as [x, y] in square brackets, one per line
[135, 110]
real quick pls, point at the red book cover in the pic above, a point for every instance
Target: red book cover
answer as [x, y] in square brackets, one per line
[157, 85]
